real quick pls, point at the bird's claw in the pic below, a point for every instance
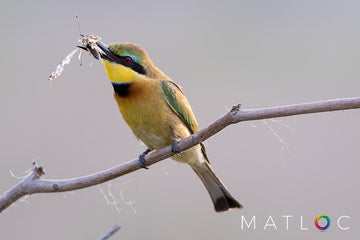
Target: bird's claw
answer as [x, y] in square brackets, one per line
[174, 147]
[142, 158]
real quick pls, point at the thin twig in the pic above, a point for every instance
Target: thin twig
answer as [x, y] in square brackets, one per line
[111, 232]
[33, 184]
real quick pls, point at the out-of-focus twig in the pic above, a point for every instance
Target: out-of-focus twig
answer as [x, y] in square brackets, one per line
[111, 232]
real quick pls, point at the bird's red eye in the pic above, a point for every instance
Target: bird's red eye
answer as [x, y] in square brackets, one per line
[127, 59]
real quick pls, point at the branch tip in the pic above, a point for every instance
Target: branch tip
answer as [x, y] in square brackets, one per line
[40, 171]
[235, 108]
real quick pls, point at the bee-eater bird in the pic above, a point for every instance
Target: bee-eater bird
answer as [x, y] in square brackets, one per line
[158, 113]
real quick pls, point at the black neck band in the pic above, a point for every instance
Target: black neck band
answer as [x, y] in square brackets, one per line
[121, 89]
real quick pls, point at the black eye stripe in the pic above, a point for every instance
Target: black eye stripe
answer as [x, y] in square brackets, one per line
[138, 68]
[120, 60]
[132, 64]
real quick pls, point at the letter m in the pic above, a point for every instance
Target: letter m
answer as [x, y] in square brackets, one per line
[243, 220]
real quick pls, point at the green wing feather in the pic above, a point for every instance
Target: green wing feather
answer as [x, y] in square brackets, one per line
[178, 103]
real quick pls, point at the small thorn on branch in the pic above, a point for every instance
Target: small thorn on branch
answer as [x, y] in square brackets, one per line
[235, 108]
[233, 113]
[40, 171]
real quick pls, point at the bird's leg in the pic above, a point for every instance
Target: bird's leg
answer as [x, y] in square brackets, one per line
[174, 147]
[142, 158]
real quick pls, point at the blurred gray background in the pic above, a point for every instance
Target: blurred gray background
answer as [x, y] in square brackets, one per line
[257, 53]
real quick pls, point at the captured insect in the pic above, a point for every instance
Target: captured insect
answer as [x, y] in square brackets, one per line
[88, 43]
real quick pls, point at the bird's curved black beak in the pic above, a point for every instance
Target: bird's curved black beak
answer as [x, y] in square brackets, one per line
[106, 53]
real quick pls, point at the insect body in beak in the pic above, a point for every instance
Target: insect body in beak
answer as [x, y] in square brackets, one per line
[88, 43]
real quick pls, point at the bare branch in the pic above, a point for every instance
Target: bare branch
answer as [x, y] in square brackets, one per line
[33, 184]
[111, 232]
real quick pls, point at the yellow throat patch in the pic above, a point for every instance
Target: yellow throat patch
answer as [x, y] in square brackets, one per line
[118, 73]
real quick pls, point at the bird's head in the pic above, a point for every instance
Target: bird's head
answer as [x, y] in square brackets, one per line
[125, 62]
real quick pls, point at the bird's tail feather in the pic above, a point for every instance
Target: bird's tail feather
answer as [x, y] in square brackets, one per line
[219, 194]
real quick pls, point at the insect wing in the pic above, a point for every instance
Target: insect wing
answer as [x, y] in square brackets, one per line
[62, 64]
